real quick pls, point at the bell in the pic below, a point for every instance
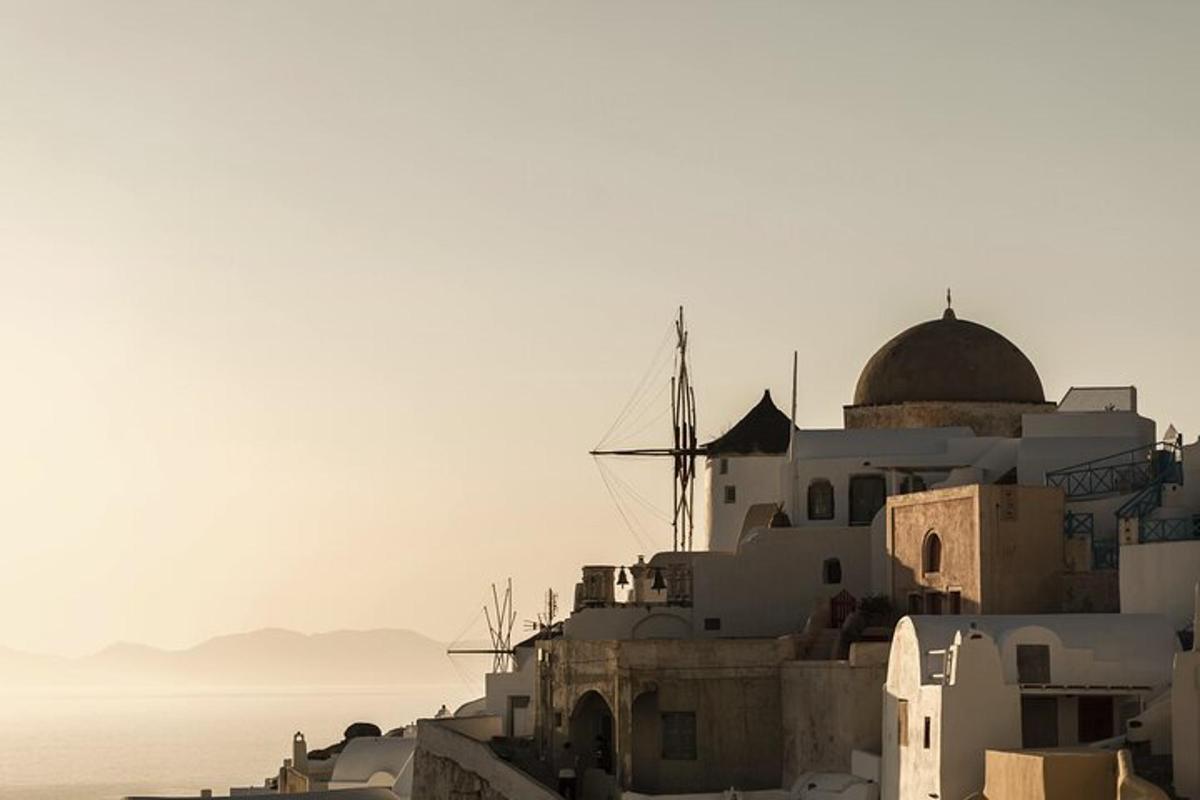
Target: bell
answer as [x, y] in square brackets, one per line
[622, 578]
[659, 584]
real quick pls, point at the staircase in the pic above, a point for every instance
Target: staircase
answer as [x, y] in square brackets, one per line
[1143, 471]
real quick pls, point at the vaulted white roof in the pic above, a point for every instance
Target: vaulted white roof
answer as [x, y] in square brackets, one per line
[1085, 649]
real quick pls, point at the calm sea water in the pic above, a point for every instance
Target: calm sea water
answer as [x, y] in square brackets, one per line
[91, 745]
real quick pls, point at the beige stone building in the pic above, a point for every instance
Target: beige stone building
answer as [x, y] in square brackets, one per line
[978, 549]
[693, 715]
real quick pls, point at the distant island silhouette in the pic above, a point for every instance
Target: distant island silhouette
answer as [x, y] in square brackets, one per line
[266, 657]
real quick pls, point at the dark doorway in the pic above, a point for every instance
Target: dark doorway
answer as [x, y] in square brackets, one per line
[1095, 718]
[1039, 721]
[592, 732]
[868, 494]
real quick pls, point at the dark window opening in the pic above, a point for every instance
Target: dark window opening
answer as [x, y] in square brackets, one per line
[916, 604]
[928, 732]
[933, 603]
[1095, 718]
[724, 466]
[1039, 721]
[931, 554]
[868, 494]
[730, 494]
[679, 735]
[912, 483]
[955, 602]
[820, 499]
[1033, 663]
[712, 623]
[832, 571]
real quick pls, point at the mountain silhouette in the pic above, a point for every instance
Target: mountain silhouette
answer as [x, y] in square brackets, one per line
[267, 657]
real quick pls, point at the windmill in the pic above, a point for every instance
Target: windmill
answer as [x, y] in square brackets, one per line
[501, 618]
[683, 449]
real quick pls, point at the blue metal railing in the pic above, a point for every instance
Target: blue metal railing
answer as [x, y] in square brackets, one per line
[1142, 472]
[1143, 502]
[1079, 524]
[1120, 473]
[1169, 530]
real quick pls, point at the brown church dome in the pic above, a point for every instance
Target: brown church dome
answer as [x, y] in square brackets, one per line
[948, 360]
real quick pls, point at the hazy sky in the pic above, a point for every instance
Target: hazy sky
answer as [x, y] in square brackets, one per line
[309, 312]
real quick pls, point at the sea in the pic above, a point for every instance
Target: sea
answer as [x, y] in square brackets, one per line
[84, 744]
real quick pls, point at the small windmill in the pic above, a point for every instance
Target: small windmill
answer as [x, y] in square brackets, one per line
[501, 618]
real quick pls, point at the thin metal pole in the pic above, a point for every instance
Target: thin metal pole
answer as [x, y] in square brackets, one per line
[790, 472]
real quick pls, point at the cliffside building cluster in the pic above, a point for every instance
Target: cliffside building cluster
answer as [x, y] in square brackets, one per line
[965, 591]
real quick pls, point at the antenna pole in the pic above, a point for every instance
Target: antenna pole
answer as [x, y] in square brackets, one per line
[791, 465]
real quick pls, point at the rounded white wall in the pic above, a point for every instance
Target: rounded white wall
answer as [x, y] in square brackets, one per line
[754, 479]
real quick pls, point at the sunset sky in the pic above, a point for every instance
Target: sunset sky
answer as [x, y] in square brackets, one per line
[310, 311]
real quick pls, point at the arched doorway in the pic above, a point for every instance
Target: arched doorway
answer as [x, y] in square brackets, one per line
[592, 732]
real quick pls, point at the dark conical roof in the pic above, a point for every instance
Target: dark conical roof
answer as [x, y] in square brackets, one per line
[952, 360]
[764, 430]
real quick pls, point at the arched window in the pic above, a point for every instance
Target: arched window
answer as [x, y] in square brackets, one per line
[820, 499]
[931, 554]
[832, 571]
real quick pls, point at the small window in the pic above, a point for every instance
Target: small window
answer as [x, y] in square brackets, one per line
[724, 466]
[831, 572]
[730, 494]
[955, 601]
[912, 483]
[916, 603]
[679, 735]
[931, 554]
[928, 732]
[712, 623]
[820, 499]
[902, 722]
[933, 603]
[868, 494]
[1033, 663]
[558, 719]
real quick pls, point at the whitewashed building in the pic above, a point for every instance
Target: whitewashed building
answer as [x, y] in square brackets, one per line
[959, 685]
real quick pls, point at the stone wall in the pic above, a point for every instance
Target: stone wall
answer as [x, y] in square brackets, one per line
[830, 708]
[1091, 592]
[1001, 547]
[450, 765]
[730, 685]
[437, 777]
[986, 419]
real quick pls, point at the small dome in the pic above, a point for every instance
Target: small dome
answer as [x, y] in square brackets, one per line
[949, 360]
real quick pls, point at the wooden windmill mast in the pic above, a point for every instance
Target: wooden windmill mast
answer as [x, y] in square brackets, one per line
[683, 449]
